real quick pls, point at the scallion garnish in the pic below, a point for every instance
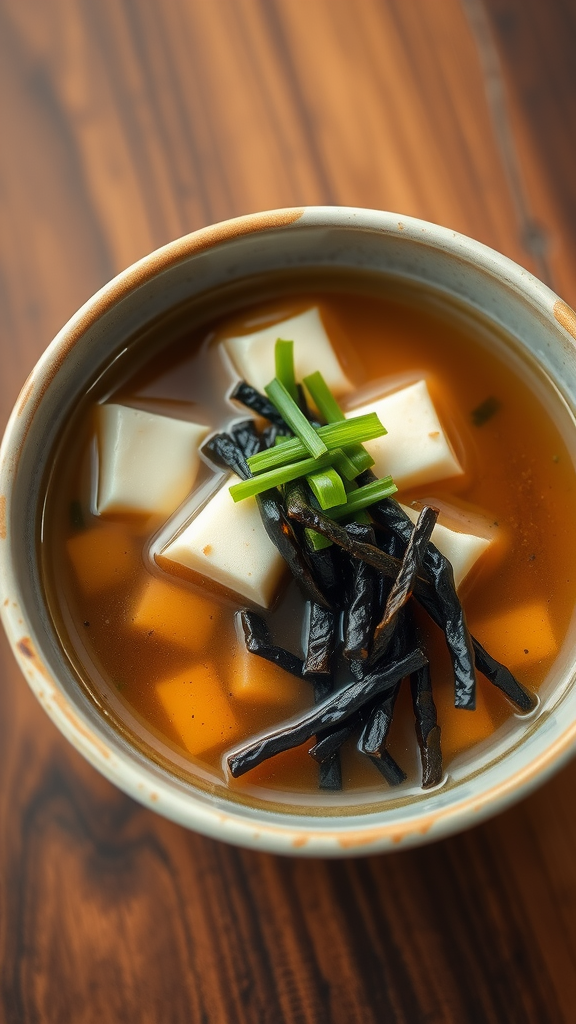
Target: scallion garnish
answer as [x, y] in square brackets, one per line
[365, 496]
[334, 435]
[323, 398]
[280, 475]
[316, 541]
[327, 487]
[330, 410]
[284, 365]
[295, 418]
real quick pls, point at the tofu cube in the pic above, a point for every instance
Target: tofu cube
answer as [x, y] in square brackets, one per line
[176, 615]
[102, 557]
[255, 681]
[198, 709]
[415, 450]
[518, 637]
[253, 354]
[227, 543]
[462, 549]
[147, 463]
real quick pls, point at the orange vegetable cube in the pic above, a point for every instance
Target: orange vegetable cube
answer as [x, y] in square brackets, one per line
[461, 729]
[519, 637]
[102, 556]
[253, 680]
[177, 615]
[198, 709]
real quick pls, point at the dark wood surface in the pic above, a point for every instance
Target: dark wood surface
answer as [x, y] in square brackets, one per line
[125, 123]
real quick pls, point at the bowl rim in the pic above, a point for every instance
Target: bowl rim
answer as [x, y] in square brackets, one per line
[121, 763]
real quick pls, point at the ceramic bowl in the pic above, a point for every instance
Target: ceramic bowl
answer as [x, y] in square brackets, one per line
[526, 312]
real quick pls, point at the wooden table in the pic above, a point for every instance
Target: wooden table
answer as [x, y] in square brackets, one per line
[126, 123]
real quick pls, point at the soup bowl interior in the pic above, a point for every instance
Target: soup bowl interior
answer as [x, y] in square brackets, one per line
[113, 333]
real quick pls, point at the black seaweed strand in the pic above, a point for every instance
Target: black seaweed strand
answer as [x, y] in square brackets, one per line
[332, 711]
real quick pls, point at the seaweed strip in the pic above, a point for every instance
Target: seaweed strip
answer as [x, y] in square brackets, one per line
[403, 585]
[321, 641]
[246, 437]
[327, 572]
[303, 512]
[269, 435]
[257, 640]
[427, 728]
[501, 677]
[359, 612]
[330, 774]
[330, 742]
[335, 709]
[389, 768]
[225, 452]
[252, 399]
[439, 599]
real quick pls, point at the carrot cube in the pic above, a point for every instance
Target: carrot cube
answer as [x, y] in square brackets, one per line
[198, 709]
[253, 680]
[519, 637]
[176, 615]
[102, 557]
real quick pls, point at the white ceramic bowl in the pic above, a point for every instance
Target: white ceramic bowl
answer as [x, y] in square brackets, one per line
[536, 321]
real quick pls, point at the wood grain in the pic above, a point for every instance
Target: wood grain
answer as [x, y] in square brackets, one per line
[124, 124]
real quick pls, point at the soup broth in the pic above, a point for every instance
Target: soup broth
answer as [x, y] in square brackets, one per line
[518, 475]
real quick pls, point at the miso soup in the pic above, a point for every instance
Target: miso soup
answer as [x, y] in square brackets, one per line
[149, 563]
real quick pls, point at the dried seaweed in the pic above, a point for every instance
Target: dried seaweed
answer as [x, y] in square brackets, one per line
[401, 590]
[225, 452]
[246, 437]
[252, 399]
[321, 640]
[439, 598]
[501, 677]
[427, 728]
[330, 773]
[331, 740]
[360, 606]
[334, 710]
[258, 641]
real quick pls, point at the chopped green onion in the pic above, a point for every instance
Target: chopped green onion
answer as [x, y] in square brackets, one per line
[284, 363]
[363, 497]
[334, 435]
[323, 398]
[330, 410]
[295, 419]
[316, 541]
[279, 476]
[327, 488]
[345, 467]
[360, 458]
[281, 438]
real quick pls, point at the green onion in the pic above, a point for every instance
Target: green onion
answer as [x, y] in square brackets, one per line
[279, 476]
[280, 438]
[284, 363]
[334, 435]
[327, 487]
[330, 410]
[345, 467]
[363, 497]
[295, 419]
[323, 398]
[316, 541]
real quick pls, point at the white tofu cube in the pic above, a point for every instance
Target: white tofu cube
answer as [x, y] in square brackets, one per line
[227, 543]
[415, 450]
[253, 354]
[462, 539]
[147, 463]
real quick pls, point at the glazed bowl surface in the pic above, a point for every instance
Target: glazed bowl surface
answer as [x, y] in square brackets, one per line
[537, 324]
